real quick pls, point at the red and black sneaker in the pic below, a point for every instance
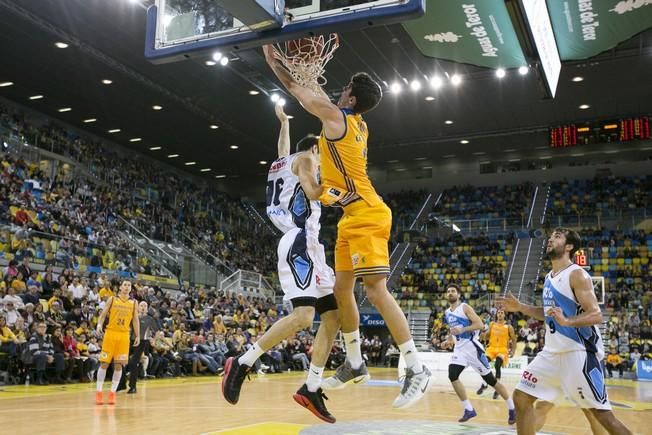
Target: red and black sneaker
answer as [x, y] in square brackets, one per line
[234, 375]
[314, 402]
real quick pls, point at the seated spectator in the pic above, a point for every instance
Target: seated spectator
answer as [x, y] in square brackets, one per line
[8, 341]
[40, 353]
[614, 361]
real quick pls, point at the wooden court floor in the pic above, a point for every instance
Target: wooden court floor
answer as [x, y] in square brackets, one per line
[195, 406]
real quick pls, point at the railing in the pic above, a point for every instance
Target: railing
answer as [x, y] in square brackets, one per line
[248, 283]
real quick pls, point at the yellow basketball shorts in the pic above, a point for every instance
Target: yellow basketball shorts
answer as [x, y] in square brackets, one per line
[495, 352]
[115, 346]
[362, 238]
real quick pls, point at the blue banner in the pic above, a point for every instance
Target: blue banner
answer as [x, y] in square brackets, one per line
[373, 319]
[644, 370]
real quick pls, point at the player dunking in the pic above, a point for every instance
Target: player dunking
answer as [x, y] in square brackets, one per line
[292, 193]
[464, 325]
[500, 335]
[363, 231]
[570, 360]
[115, 345]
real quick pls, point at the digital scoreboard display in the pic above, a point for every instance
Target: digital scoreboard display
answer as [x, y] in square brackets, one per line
[622, 130]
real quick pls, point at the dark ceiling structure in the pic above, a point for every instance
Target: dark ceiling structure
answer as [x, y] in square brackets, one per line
[105, 42]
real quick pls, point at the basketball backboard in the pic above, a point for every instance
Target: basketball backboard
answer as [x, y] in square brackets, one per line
[181, 29]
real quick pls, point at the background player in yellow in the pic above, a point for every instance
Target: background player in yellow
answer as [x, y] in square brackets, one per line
[502, 345]
[361, 250]
[115, 346]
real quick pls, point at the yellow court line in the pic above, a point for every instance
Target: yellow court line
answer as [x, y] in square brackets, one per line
[266, 428]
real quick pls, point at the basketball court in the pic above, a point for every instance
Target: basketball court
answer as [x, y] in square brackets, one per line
[196, 406]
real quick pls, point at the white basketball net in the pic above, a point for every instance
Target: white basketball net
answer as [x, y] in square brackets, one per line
[306, 58]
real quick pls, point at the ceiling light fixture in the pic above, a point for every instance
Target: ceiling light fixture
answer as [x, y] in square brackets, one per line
[224, 61]
[65, 109]
[523, 70]
[448, 122]
[217, 56]
[281, 102]
[263, 162]
[89, 120]
[578, 79]
[115, 130]
[210, 63]
[456, 79]
[36, 97]
[436, 82]
[61, 45]
[464, 141]
[135, 139]
[234, 147]
[254, 92]
[395, 88]
[5, 84]
[584, 106]
[430, 98]
[154, 148]
[501, 73]
[415, 85]
[173, 156]
[214, 127]
[190, 163]
[220, 176]
[274, 98]
[107, 81]
[157, 107]
[205, 170]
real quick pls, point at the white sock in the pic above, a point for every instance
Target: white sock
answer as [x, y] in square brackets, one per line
[101, 374]
[250, 356]
[314, 378]
[352, 344]
[467, 405]
[510, 403]
[115, 381]
[409, 352]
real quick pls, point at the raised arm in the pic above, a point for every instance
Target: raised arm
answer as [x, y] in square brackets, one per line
[583, 288]
[316, 104]
[284, 134]
[511, 304]
[306, 169]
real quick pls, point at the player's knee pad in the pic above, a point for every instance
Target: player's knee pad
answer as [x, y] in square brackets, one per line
[454, 372]
[490, 379]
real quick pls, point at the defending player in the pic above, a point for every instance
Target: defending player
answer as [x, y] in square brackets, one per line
[361, 249]
[500, 335]
[292, 192]
[464, 325]
[570, 360]
[115, 346]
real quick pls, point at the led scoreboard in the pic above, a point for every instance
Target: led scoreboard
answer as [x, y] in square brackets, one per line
[622, 130]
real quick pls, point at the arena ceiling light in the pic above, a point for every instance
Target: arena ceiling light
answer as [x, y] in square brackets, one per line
[501, 73]
[263, 162]
[107, 81]
[224, 61]
[578, 79]
[190, 163]
[5, 84]
[234, 147]
[214, 127]
[135, 139]
[415, 85]
[61, 45]
[220, 176]
[464, 141]
[448, 122]
[89, 120]
[217, 56]
[36, 97]
[523, 70]
[584, 106]
[173, 156]
[210, 63]
[395, 88]
[274, 98]
[205, 170]
[430, 98]
[253, 92]
[281, 102]
[154, 148]
[456, 79]
[65, 109]
[157, 107]
[436, 82]
[115, 130]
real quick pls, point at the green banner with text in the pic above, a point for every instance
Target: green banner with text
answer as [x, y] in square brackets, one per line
[584, 28]
[480, 33]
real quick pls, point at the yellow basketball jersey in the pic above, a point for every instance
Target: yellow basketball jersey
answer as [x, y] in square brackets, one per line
[343, 165]
[120, 315]
[499, 335]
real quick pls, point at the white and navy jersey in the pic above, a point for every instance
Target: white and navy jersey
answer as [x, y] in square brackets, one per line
[557, 292]
[458, 317]
[287, 204]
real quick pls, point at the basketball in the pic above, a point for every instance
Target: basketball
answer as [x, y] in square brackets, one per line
[305, 48]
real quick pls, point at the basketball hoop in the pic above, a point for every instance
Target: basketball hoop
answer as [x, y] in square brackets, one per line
[306, 58]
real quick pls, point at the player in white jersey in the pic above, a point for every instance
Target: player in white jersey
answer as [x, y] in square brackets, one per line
[570, 360]
[292, 206]
[465, 326]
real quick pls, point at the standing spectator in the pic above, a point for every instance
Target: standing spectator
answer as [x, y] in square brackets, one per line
[24, 268]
